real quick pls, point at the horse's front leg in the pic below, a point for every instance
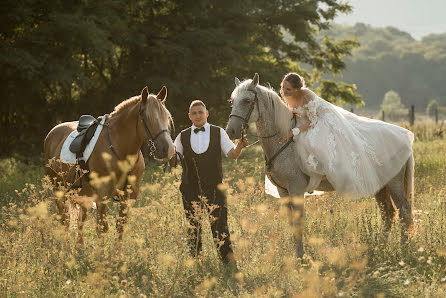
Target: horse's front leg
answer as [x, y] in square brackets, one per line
[63, 212]
[123, 216]
[296, 213]
[80, 227]
[131, 193]
[102, 224]
[104, 193]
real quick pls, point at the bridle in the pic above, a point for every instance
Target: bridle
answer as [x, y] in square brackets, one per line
[245, 124]
[152, 146]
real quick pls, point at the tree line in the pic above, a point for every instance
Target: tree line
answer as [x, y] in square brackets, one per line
[390, 59]
[60, 59]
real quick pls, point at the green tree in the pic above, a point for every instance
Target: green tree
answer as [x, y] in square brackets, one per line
[50, 56]
[391, 59]
[60, 59]
[431, 107]
[392, 106]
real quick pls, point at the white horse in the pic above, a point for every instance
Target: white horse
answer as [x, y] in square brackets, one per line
[252, 102]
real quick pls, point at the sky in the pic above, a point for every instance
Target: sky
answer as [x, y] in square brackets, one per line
[416, 17]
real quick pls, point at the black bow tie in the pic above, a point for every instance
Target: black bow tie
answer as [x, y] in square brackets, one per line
[196, 130]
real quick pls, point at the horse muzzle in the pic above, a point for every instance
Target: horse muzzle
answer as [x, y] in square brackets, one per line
[163, 147]
[234, 129]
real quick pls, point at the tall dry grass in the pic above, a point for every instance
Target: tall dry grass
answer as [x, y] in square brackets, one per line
[345, 251]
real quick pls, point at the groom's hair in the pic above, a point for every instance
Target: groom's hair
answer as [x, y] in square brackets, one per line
[197, 102]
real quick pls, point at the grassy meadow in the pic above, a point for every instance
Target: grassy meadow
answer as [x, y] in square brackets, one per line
[345, 253]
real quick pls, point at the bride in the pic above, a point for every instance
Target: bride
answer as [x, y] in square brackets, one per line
[357, 155]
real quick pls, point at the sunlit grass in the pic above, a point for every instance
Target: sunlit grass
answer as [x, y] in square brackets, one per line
[346, 254]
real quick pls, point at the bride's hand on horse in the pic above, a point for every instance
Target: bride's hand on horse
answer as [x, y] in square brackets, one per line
[305, 126]
[286, 138]
[302, 128]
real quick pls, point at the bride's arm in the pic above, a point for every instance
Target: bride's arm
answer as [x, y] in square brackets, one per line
[309, 117]
[310, 107]
[301, 128]
[296, 130]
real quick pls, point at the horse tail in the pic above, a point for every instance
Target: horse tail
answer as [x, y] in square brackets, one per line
[409, 180]
[47, 152]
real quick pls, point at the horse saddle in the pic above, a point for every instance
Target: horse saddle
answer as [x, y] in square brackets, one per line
[86, 127]
[85, 121]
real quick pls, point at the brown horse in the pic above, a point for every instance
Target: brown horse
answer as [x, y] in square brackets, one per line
[116, 163]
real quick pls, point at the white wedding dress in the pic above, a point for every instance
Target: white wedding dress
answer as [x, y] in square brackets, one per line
[357, 155]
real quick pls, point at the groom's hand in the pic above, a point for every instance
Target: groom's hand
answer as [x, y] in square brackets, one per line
[286, 138]
[243, 142]
[234, 153]
[173, 160]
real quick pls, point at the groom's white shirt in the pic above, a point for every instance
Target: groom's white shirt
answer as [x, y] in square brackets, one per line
[200, 141]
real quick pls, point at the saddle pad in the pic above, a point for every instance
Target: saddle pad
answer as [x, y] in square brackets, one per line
[66, 156]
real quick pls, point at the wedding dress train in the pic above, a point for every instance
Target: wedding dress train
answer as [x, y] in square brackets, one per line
[357, 155]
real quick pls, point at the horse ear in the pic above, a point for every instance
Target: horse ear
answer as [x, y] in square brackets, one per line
[255, 82]
[144, 91]
[237, 81]
[162, 95]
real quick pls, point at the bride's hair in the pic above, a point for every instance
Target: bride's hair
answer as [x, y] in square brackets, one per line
[294, 79]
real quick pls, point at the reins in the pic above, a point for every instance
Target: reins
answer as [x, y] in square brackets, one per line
[107, 133]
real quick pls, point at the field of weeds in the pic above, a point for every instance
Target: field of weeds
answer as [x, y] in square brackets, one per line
[345, 253]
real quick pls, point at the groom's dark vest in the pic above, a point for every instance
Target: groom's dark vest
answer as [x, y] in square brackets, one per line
[204, 168]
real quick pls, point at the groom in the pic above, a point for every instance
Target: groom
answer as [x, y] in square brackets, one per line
[201, 145]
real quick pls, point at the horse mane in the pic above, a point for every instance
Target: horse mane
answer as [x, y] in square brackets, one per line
[124, 105]
[154, 105]
[272, 102]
